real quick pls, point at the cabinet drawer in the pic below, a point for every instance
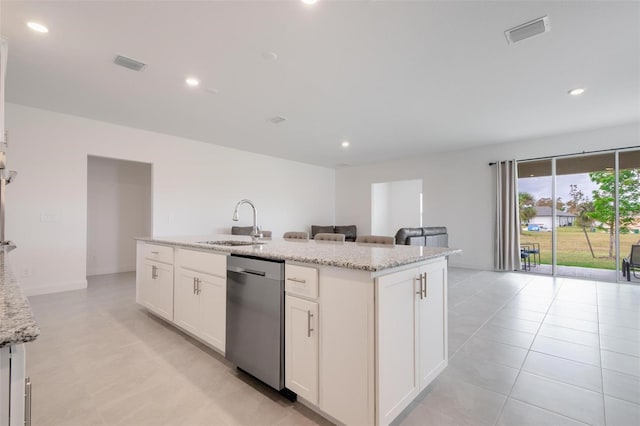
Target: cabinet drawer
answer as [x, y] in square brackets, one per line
[301, 281]
[207, 262]
[158, 253]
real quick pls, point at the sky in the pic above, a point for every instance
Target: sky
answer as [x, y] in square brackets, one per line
[540, 187]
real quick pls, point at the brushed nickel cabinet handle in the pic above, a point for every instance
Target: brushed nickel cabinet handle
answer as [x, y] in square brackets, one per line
[27, 401]
[419, 292]
[425, 285]
[194, 285]
[155, 252]
[198, 289]
[154, 272]
[297, 280]
[309, 329]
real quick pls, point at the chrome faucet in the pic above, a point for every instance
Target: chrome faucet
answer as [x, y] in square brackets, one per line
[255, 232]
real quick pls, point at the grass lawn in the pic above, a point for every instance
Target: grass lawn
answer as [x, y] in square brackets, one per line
[573, 249]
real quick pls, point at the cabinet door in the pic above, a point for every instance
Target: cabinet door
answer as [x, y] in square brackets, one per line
[396, 304]
[186, 302]
[432, 330]
[301, 347]
[157, 288]
[164, 290]
[146, 285]
[213, 314]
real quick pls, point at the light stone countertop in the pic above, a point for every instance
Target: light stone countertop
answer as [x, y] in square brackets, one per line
[17, 324]
[367, 257]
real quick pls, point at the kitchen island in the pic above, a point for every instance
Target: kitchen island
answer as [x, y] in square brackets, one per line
[17, 327]
[365, 324]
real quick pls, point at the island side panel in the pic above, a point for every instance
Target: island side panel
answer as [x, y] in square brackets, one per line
[347, 345]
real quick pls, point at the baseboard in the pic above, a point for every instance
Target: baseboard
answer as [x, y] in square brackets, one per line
[470, 267]
[112, 270]
[55, 288]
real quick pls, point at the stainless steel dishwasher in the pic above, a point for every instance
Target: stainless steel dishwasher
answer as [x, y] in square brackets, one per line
[255, 318]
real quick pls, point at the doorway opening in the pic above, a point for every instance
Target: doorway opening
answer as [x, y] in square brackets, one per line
[118, 210]
[396, 205]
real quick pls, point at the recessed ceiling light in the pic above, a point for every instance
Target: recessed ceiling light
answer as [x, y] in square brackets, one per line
[309, 1]
[577, 91]
[37, 27]
[531, 175]
[191, 81]
[345, 144]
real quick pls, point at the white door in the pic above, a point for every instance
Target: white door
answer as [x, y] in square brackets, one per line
[186, 301]
[213, 314]
[433, 350]
[396, 303]
[301, 347]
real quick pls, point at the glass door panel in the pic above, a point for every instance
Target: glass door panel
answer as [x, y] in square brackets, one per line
[629, 204]
[535, 191]
[585, 216]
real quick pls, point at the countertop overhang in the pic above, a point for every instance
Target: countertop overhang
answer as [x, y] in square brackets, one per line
[17, 324]
[361, 256]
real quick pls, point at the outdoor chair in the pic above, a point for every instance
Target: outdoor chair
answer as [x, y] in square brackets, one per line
[533, 250]
[525, 259]
[632, 263]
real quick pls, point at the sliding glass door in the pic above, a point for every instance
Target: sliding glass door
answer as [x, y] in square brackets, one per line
[629, 204]
[535, 192]
[580, 214]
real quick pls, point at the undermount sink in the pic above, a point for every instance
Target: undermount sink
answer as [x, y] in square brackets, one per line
[229, 243]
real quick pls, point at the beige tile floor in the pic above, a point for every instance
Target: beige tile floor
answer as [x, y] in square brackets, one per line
[524, 350]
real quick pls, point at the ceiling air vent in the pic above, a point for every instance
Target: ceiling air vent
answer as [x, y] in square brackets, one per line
[132, 64]
[528, 29]
[277, 119]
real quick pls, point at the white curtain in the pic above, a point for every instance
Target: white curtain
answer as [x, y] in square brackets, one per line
[507, 242]
[3, 71]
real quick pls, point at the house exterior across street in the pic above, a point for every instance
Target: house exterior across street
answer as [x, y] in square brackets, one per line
[543, 218]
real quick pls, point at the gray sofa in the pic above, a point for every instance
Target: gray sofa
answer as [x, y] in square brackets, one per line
[432, 236]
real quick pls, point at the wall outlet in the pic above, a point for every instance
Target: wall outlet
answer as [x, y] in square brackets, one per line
[48, 217]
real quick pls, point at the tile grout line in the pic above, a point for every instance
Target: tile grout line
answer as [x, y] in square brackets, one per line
[604, 406]
[490, 318]
[527, 356]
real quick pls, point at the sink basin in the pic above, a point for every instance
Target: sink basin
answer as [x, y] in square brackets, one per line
[229, 243]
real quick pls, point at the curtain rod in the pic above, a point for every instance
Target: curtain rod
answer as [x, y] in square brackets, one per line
[571, 155]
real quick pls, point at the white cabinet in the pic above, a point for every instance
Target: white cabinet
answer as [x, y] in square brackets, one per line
[200, 295]
[154, 278]
[15, 387]
[186, 301]
[432, 320]
[411, 335]
[156, 293]
[301, 347]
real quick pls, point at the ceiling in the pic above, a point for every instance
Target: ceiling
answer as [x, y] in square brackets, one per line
[396, 79]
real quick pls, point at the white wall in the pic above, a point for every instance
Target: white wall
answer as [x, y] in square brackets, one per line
[118, 210]
[459, 188]
[405, 205]
[195, 188]
[380, 211]
[395, 205]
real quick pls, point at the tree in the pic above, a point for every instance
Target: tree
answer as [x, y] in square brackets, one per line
[546, 202]
[581, 206]
[604, 209]
[526, 204]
